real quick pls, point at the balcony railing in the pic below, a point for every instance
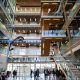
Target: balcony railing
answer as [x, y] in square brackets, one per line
[50, 0]
[30, 41]
[27, 36]
[29, 51]
[52, 15]
[26, 24]
[25, 13]
[48, 33]
[53, 33]
[29, 59]
[28, 11]
[55, 14]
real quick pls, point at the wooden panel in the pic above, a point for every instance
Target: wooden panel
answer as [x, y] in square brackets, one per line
[28, 2]
[45, 27]
[46, 48]
[53, 7]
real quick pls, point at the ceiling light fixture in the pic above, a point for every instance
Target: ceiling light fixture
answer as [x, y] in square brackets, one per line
[23, 31]
[20, 19]
[35, 9]
[35, 19]
[17, 44]
[31, 9]
[22, 44]
[18, 30]
[45, 3]
[30, 31]
[56, 19]
[35, 31]
[30, 19]
[55, 3]
[24, 19]
[40, 44]
[49, 10]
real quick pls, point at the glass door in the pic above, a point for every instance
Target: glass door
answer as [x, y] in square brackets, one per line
[22, 69]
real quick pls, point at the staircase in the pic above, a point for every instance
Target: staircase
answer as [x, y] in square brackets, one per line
[75, 72]
[72, 44]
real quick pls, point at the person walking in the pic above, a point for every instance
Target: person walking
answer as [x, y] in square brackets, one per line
[3, 77]
[0, 77]
[8, 74]
[37, 74]
[31, 73]
[45, 74]
[14, 74]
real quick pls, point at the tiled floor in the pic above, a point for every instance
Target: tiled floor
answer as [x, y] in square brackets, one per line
[28, 78]
[20, 78]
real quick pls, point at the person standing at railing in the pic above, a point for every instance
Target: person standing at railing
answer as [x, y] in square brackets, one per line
[56, 32]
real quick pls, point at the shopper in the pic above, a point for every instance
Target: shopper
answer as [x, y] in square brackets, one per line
[60, 77]
[37, 74]
[3, 76]
[14, 74]
[31, 73]
[45, 73]
[8, 74]
[0, 77]
[49, 74]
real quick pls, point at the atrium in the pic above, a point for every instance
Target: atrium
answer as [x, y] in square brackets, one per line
[40, 39]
